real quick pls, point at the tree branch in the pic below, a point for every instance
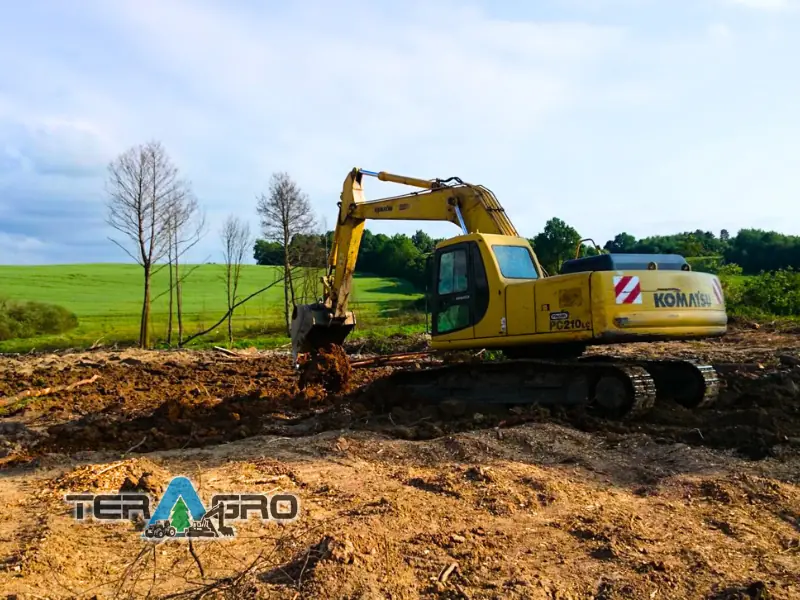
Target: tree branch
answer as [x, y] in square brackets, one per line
[230, 310]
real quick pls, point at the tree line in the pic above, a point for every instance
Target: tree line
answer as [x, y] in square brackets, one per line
[404, 256]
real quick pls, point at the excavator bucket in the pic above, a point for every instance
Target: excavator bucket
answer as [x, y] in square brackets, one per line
[313, 326]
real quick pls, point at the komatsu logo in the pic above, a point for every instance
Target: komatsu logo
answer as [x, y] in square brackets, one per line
[680, 299]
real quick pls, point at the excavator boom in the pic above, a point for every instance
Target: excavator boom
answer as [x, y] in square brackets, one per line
[473, 208]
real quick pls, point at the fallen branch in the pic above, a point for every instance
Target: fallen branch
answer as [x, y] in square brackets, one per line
[135, 446]
[45, 391]
[227, 352]
[114, 465]
[230, 310]
[445, 573]
[196, 560]
[727, 367]
[394, 358]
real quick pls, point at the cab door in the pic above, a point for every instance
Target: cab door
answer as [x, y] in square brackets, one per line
[460, 291]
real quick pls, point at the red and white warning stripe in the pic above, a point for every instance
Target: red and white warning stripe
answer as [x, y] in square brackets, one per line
[627, 289]
[717, 287]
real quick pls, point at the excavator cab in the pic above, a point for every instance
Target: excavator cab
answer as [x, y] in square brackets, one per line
[464, 272]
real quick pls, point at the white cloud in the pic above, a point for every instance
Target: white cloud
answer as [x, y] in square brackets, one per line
[719, 32]
[439, 69]
[21, 249]
[53, 145]
[443, 90]
[771, 5]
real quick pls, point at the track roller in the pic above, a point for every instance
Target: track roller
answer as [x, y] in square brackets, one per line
[686, 382]
[623, 391]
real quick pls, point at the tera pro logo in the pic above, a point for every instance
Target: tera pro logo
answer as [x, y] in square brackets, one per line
[180, 513]
[681, 299]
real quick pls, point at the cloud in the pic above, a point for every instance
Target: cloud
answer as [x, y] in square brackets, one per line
[769, 5]
[55, 146]
[719, 32]
[21, 249]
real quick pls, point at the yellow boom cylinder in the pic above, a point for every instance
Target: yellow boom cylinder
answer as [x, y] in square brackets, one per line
[427, 184]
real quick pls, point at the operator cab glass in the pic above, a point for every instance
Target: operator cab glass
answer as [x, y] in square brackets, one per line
[515, 262]
[461, 290]
[452, 272]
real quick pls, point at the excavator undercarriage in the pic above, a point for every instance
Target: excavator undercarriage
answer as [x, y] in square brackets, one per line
[609, 387]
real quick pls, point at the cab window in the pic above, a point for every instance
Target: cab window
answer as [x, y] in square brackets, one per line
[515, 262]
[453, 272]
[454, 317]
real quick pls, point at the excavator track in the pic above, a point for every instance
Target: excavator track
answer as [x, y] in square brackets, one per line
[687, 382]
[606, 386]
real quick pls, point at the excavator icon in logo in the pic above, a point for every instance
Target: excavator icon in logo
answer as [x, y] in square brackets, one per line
[181, 514]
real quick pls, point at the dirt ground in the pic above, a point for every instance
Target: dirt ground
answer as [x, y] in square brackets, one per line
[524, 503]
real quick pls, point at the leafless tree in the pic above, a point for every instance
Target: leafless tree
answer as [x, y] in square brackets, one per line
[308, 251]
[236, 241]
[143, 186]
[186, 225]
[285, 212]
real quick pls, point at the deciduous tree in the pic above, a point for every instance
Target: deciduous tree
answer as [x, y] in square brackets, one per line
[285, 212]
[556, 244]
[236, 240]
[143, 187]
[186, 224]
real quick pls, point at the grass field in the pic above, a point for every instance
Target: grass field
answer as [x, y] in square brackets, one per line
[107, 298]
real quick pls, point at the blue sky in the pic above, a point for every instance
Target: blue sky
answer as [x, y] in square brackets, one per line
[640, 115]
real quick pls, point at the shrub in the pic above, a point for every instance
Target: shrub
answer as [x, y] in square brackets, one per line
[730, 276]
[29, 319]
[705, 264]
[776, 293]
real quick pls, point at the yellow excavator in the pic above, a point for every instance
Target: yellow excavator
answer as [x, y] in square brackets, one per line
[489, 291]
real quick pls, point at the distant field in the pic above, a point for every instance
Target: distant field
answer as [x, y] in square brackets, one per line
[108, 300]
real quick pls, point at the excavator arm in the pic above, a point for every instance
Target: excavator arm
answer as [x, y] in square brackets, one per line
[474, 208]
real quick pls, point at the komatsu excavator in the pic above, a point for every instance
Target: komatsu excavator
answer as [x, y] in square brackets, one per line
[490, 291]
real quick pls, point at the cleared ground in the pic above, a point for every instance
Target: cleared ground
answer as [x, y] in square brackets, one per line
[525, 504]
[107, 298]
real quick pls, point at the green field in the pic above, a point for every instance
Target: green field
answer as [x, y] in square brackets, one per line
[107, 298]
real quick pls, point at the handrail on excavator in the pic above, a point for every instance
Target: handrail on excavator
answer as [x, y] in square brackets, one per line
[580, 245]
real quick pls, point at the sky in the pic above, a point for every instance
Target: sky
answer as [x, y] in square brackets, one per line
[644, 116]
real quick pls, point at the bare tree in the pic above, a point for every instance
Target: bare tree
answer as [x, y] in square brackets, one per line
[143, 185]
[186, 224]
[236, 241]
[308, 251]
[171, 295]
[285, 212]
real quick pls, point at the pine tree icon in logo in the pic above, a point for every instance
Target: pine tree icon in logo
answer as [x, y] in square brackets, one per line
[179, 518]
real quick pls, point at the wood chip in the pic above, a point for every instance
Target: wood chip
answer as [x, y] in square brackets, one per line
[446, 572]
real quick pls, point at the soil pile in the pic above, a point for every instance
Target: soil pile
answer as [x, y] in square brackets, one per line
[328, 368]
